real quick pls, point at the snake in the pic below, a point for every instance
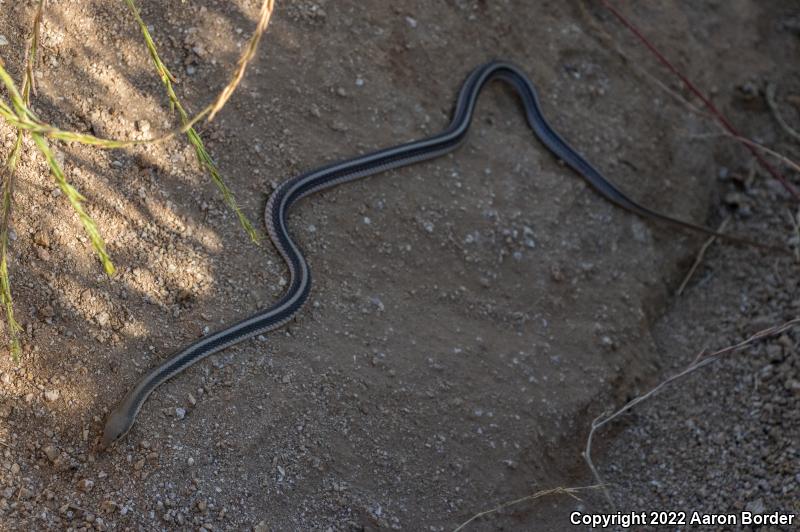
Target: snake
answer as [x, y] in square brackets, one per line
[120, 420]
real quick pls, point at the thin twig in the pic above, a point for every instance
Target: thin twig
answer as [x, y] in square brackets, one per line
[723, 121]
[701, 360]
[612, 43]
[773, 106]
[701, 254]
[794, 219]
[756, 145]
[247, 56]
[553, 491]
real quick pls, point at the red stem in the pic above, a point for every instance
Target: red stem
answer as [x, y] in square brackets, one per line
[707, 102]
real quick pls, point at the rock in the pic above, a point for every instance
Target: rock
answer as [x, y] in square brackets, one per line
[102, 319]
[52, 395]
[51, 452]
[40, 238]
[377, 303]
[736, 199]
[756, 506]
[775, 353]
[180, 413]
[85, 484]
[261, 527]
[143, 126]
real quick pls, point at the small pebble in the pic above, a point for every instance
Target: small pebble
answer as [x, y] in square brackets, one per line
[756, 506]
[51, 452]
[85, 484]
[51, 395]
[143, 126]
[180, 413]
[40, 238]
[102, 319]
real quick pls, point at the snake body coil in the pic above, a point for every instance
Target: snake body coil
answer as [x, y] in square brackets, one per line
[289, 192]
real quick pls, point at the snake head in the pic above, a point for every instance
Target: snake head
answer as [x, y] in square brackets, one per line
[117, 425]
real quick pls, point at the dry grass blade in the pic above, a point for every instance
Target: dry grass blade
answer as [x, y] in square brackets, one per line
[773, 106]
[16, 111]
[755, 145]
[701, 254]
[13, 328]
[794, 219]
[249, 52]
[203, 157]
[691, 87]
[20, 104]
[769, 151]
[28, 122]
[7, 201]
[701, 360]
[76, 199]
[543, 493]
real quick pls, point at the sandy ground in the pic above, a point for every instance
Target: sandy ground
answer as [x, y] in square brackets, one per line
[470, 316]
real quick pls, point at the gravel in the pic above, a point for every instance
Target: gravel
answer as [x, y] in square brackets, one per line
[724, 439]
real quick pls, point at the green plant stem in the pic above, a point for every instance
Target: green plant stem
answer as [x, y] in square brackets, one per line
[203, 157]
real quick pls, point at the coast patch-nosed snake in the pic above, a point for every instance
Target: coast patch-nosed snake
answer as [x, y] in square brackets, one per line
[122, 418]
